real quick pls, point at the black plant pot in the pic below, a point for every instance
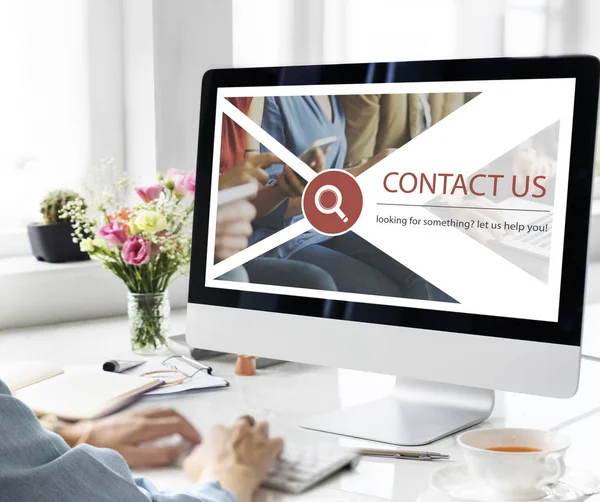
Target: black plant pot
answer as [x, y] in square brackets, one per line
[54, 243]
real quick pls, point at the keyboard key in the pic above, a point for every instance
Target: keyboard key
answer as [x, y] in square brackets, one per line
[301, 467]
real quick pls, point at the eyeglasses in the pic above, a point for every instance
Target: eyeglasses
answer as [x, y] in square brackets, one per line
[178, 365]
[188, 367]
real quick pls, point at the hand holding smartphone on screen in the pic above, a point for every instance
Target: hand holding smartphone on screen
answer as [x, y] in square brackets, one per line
[289, 181]
[308, 155]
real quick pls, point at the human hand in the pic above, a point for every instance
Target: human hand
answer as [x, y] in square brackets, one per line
[293, 185]
[528, 162]
[233, 228]
[481, 216]
[125, 432]
[250, 169]
[238, 457]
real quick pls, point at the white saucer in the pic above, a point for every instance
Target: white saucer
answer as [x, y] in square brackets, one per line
[456, 483]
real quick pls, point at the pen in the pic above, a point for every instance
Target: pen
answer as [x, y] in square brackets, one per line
[197, 364]
[404, 454]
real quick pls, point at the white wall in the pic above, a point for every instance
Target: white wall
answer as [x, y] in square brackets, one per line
[190, 37]
[167, 47]
[105, 80]
[138, 89]
[480, 28]
[589, 33]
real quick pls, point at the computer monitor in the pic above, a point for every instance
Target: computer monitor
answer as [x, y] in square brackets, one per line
[444, 241]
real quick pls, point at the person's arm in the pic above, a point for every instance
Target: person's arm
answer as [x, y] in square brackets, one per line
[294, 207]
[357, 171]
[294, 185]
[268, 199]
[127, 431]
[255, 112]
[37, 465]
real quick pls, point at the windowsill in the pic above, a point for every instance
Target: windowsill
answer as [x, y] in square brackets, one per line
[34, 293]
[14, 243]
[29, 265]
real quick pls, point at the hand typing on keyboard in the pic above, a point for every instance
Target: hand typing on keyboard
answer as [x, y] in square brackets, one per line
[237, 456]
[302, 466]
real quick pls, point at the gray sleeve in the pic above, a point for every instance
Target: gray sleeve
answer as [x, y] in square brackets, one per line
[37, 465]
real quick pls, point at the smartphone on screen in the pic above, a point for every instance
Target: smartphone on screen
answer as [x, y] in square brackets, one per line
[307, 155]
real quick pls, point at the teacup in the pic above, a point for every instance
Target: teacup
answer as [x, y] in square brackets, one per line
[528, 461]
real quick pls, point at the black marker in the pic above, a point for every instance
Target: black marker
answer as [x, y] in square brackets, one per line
[115, 366]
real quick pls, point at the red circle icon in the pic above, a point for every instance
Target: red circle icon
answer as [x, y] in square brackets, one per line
[332, 202]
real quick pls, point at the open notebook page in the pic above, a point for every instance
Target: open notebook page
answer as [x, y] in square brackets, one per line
[84, 393]
[23, 374]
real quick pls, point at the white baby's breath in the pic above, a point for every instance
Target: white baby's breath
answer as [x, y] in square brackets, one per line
[107, 196]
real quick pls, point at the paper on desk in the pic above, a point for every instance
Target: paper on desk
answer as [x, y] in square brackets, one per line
[201, 380]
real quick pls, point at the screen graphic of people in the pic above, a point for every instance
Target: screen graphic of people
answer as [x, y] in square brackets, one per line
[354, 265]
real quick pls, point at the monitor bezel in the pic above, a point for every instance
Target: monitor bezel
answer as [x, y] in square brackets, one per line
[567, 331]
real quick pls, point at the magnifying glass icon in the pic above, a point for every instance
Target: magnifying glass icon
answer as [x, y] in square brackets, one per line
[335, 208]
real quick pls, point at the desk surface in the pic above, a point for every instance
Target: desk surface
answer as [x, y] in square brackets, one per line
[286, 393]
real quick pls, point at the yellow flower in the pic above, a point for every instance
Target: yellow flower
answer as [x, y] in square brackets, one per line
[150, 221]
[87, 245]
[99, 243]
[133, 228]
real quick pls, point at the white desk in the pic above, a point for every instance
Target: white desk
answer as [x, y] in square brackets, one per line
[286, 393]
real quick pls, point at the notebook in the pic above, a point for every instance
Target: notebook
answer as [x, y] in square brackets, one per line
[77, 393]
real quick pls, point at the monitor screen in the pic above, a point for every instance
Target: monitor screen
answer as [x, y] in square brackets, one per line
[439, 204]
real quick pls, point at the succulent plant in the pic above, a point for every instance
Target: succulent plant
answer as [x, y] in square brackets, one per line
[54, 202]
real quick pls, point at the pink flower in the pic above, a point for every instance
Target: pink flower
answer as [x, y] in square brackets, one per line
[114, 233]
[136, 251]
[176, 176]
[149, 193]
[188, 184]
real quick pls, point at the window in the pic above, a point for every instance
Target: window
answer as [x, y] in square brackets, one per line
[394, 31]
[534, 27]
[44, 105]
[61, 96]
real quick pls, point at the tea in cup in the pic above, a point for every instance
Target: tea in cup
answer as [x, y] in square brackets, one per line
[516, 464]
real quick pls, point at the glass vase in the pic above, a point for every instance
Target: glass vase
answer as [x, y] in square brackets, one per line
[149, 322]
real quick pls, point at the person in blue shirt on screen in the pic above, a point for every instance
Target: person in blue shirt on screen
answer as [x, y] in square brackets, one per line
[355, 265]
[37, 465]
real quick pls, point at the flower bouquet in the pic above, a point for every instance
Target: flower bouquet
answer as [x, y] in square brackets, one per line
[146, 245]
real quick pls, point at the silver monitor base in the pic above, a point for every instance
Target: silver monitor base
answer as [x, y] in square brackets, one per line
[417, 413]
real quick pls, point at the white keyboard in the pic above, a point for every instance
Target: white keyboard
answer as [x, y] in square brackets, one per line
[301, 467]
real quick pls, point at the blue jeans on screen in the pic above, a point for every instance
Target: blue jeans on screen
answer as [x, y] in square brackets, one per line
[359, 267]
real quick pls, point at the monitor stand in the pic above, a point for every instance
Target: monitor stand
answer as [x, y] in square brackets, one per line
[417, 413]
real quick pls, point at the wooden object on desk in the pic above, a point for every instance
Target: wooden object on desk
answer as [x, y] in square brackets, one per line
[244, 366]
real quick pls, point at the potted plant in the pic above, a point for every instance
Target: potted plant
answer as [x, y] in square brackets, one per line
[52, 240]
[145, 244]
